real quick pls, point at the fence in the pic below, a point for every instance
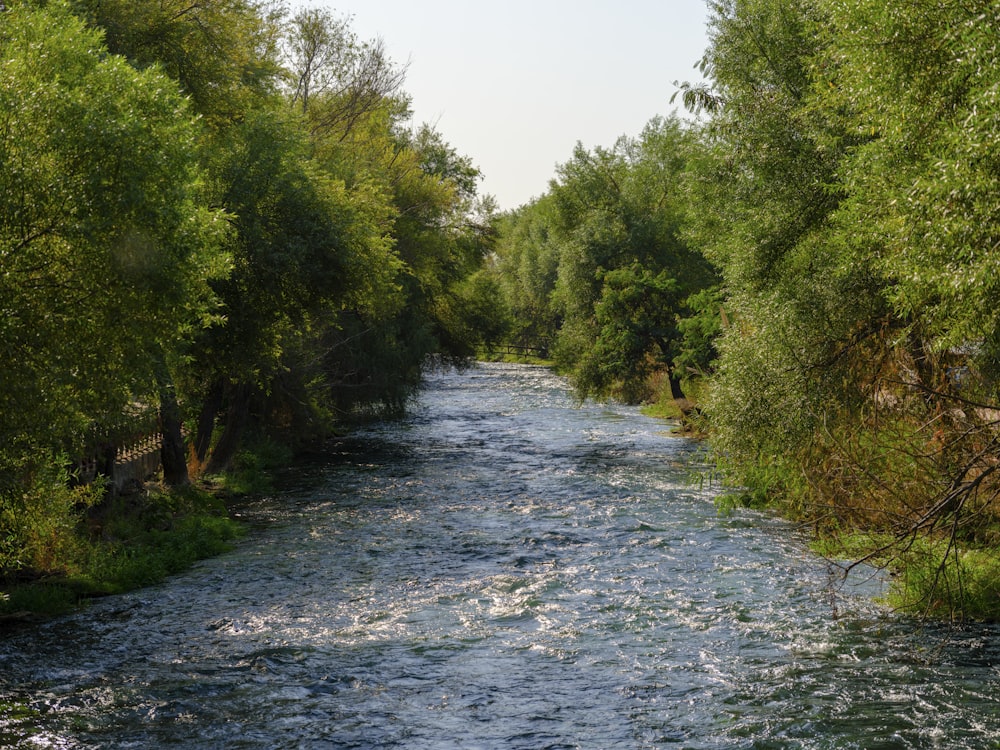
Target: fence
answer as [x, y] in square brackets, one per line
[542, 352]
[127, 457]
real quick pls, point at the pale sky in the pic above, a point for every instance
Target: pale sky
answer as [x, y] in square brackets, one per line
[515, 84]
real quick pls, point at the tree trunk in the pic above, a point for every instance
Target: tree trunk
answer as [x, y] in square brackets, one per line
[237, 417]
[173, 455]
[106, 467]
[206, 420]
[676, 392]
[923, 366]
[675, 385]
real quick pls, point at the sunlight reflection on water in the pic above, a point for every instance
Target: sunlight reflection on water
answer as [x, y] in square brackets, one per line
[502, 570]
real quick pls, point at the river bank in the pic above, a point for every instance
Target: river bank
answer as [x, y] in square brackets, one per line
[942, 562]
[112, 544]
[132, 541]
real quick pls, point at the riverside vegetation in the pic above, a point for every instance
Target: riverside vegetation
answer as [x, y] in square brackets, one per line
[218, 210]
[221, 210]
[814, 260]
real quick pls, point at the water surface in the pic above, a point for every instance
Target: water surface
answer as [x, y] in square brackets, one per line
[502, 569]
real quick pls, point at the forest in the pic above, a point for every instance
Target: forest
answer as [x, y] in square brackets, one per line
[216, 217]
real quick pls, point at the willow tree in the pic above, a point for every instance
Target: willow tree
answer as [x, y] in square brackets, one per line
[302, 246]
[764, 191]
[223, 57]
[625, 269]
[923, 207]
[333, 77]
[423, 195]
[849, 201]
[222, 54]
[105, 239]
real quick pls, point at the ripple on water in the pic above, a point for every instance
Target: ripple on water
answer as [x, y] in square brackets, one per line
[502, 570]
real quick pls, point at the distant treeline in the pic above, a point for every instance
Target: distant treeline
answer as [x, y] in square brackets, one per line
[816, 258]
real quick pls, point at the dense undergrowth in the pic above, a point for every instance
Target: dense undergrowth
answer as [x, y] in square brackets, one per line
[70, 544]
[915, 497]
[908, 492]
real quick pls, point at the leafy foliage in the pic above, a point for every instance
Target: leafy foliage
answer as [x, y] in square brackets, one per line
[848, 198]
[600, 265]
[222, 54]
[105, 239]
[188, 227]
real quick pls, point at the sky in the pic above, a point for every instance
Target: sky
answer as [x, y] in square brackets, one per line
[514, 85]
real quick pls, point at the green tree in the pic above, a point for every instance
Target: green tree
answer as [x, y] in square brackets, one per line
[916, 80]
[620, 217]
[764, 192]
[350, 94]
[334, 78]
[437, 235]
[636, 321]
[302, 245]
[847, 196]
[528, 250]
[223, 54]
[105, 241]
[917, 91]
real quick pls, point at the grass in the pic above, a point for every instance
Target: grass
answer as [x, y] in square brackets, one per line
[685, 411]
[76, 551]
[929, 576]
[496, 355]
[663, 408]
[936, 578]
[67, 545]
[251, 472]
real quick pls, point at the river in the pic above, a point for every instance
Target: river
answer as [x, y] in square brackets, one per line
[502, 569]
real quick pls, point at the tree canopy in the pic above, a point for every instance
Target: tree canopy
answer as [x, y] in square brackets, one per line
[849, 202]
[598, 268]
[106, 237]
[221, 214]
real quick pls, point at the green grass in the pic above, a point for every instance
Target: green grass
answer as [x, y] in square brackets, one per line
[61, 546]
[121, 545]
[251, 472]
[515, 359]
[662, 409]
[936, 578]
[930, 577]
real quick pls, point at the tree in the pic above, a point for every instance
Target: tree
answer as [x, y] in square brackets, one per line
[105, 240]
[847, 198]
[302, 245]
[334, 78]
[636, 321]
[528, 252]
[620, 215]
[764, 192]
[223, 53]
[919, 84]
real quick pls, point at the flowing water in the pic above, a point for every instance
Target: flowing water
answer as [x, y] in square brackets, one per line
[502, 569]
